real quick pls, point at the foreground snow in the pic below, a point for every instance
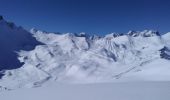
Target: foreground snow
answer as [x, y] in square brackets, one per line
[103, 91]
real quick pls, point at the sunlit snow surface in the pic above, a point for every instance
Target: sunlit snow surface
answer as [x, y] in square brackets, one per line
[100, 91]
[72, 58]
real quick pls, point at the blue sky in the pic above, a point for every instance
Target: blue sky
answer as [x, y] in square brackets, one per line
[91, 16]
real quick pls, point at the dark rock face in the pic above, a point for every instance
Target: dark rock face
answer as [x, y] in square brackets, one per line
[151, 33]
[117, 34]
[165, 53]
[133, 33]
[146, 33]
[11, 25]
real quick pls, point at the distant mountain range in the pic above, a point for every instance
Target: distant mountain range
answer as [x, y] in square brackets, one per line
[30, 59]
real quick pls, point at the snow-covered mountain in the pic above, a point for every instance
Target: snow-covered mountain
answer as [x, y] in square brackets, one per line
[80, 58]
[12, 40]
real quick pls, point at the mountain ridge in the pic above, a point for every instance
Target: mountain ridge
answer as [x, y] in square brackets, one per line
[81, 58]
[12, 40]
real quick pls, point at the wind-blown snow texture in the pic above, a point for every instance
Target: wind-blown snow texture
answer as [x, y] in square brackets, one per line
[80, 58]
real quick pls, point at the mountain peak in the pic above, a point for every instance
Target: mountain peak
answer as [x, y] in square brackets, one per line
[33, 30]
[145, 33]
[83, 34]
[150, 33]
[132, 33]
[111, 35]
[13, 39]
[7, 24]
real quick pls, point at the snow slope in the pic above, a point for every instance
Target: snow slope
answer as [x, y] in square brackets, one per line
[104, 91]
[80, 58]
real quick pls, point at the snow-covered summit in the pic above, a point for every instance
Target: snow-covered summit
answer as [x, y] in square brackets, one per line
[145, 33]
[113, 35]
